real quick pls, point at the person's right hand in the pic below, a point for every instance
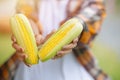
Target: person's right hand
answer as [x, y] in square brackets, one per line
[19, 50]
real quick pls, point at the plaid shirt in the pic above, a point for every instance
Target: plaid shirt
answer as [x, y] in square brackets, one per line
[94, 12]
[7, 71]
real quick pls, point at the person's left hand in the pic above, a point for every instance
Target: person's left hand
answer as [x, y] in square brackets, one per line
[66, 49]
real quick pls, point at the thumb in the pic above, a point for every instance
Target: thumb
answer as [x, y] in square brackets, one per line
[39, 39]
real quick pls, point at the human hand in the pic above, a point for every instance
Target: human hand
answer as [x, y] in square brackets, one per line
[66, 49]
[19, 50]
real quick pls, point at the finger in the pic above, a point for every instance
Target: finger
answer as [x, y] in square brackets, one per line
[65, 51]
[21, 56]
[61, 53]
[75, 40]
[70, 46]
[29, 65]
[17, 47]
[74, 45]
[13, 38]
[39, 39]
[56, 57]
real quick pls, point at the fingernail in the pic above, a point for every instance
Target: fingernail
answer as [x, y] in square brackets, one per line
[26, 56]
[29, 65]
[53, 58]
[14, 40]
[21, 49]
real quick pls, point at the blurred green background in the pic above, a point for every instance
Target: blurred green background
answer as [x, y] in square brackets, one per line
[106, 46]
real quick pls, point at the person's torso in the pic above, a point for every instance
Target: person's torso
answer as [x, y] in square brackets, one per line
[65, 68]
[51, 13]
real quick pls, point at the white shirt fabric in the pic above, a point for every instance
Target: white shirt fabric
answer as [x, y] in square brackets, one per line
[65, 68]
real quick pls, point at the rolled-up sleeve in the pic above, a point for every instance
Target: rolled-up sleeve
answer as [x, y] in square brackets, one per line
[92, 12]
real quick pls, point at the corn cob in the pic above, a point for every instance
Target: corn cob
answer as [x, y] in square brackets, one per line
[67, 32]
[24, 35]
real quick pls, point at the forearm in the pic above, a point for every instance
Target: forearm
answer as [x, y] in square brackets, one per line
[93, 13]
[88, 61]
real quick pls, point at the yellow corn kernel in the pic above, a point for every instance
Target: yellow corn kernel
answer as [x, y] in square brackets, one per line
[68, 31]
[24, 35]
